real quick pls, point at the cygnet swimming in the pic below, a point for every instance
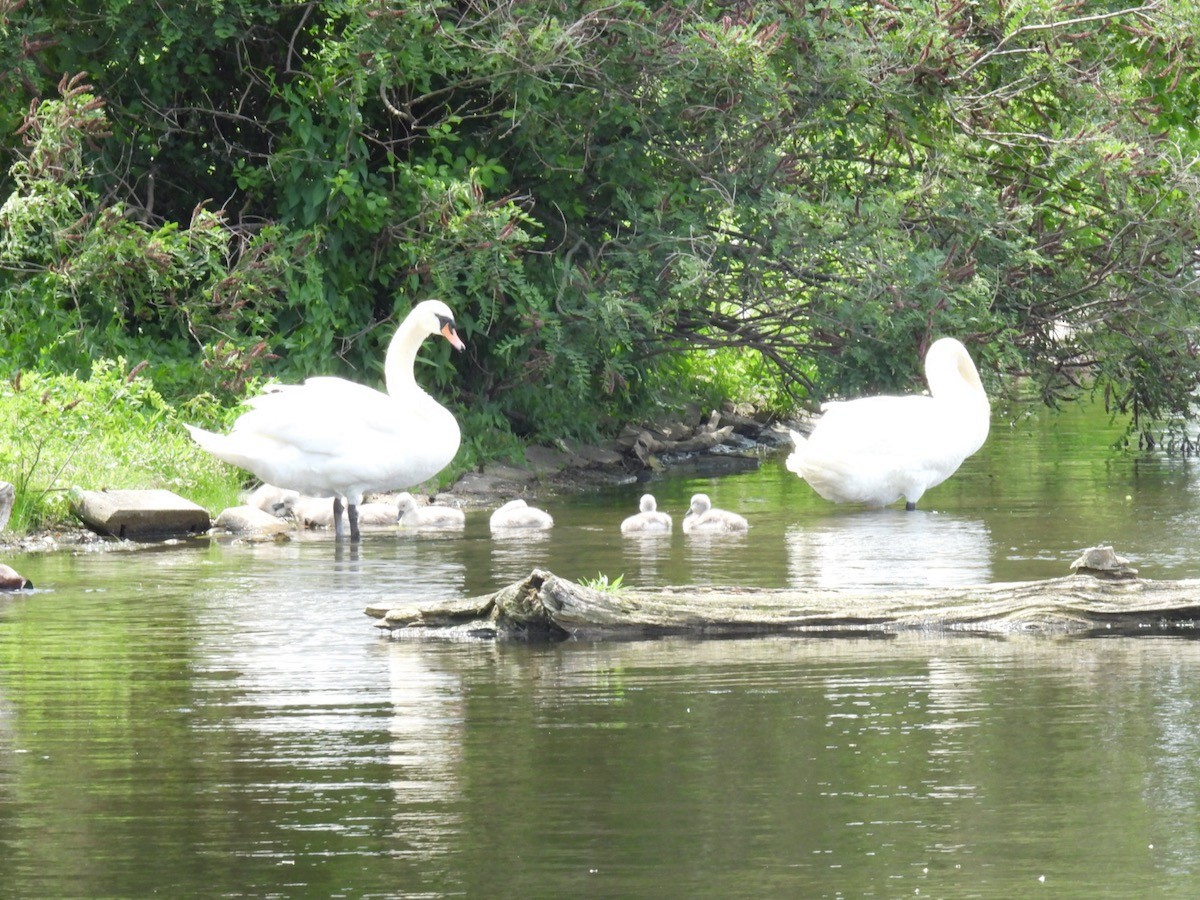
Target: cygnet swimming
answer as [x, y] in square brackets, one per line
[12, 580]
[702, 518]
[518, 514]
[648, 520]
[412, 515]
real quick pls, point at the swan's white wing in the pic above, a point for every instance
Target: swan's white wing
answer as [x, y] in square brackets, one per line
[875, 426]
[329, 434]
[331, 416]
[875, 449]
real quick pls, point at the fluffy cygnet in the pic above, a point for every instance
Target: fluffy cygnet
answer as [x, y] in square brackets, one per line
[702, 518]
[317, 512]
[648, 520]
[412, 515]
[274, 500]
[518, 514]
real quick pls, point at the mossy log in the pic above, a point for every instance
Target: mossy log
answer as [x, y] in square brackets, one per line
[544, 607]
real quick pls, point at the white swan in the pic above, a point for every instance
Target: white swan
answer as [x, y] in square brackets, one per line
[702, 518]
[875, 450]
[648, 520]
[518, 514]
[330, 437]
[431, 517]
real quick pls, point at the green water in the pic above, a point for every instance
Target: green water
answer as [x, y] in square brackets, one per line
[222, 720]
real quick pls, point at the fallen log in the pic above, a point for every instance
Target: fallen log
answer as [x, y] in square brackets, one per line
[544, 607]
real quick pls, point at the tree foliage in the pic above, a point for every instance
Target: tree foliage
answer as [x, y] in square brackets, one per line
[600, 188]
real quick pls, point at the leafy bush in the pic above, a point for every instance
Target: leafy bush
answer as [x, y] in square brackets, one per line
[81, 279]
[601, 191]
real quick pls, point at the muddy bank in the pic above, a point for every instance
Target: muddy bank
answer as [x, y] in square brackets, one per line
[719, 442]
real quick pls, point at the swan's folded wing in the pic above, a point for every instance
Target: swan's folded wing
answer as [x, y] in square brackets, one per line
[873, 425]
[325, 416]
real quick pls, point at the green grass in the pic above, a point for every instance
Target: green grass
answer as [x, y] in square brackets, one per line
[110, 430]
[602, 583]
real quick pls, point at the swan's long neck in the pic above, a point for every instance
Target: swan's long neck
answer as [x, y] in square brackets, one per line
[401, 357]
[952, 376]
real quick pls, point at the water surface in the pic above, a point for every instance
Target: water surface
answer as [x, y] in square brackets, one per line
[222, 720]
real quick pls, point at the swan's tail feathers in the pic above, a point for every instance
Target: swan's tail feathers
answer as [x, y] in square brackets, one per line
[795, 462]
[219, 445]
[205, 439]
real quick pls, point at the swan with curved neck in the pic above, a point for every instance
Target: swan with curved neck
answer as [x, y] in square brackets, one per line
[875, 450]
[330, 437]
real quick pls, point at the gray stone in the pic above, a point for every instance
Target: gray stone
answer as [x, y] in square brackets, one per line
[139, 515]
[12, 580]
[484, 483]
[1103, 562]
[7, 495]
[675, 431]
[596, 456]
[546, 459]
[510, 474]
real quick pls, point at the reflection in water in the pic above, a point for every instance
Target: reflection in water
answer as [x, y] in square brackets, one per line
[889, 548]
[1170, 779]
[328, 735]
[648, 553]
[515, 552]
[232, 721]
[427, 724]
[706, 556]
[222, 720]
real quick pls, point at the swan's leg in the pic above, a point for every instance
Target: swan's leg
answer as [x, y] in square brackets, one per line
[910, 506]
[352, 512]
[338, 532]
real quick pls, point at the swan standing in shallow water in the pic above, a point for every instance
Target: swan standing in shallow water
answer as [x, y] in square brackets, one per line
[702, 518]
[440, 518]
[875, 450]
[648, 520]
[330, 437]
[518, 514]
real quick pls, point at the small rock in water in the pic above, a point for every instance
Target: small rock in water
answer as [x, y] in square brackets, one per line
[139, 515]
[1103, 562]
[7, 496]
[12, 580]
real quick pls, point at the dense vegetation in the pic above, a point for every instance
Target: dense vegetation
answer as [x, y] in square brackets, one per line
[626, 204]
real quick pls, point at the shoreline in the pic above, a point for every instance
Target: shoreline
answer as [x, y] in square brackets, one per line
[726, 442]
